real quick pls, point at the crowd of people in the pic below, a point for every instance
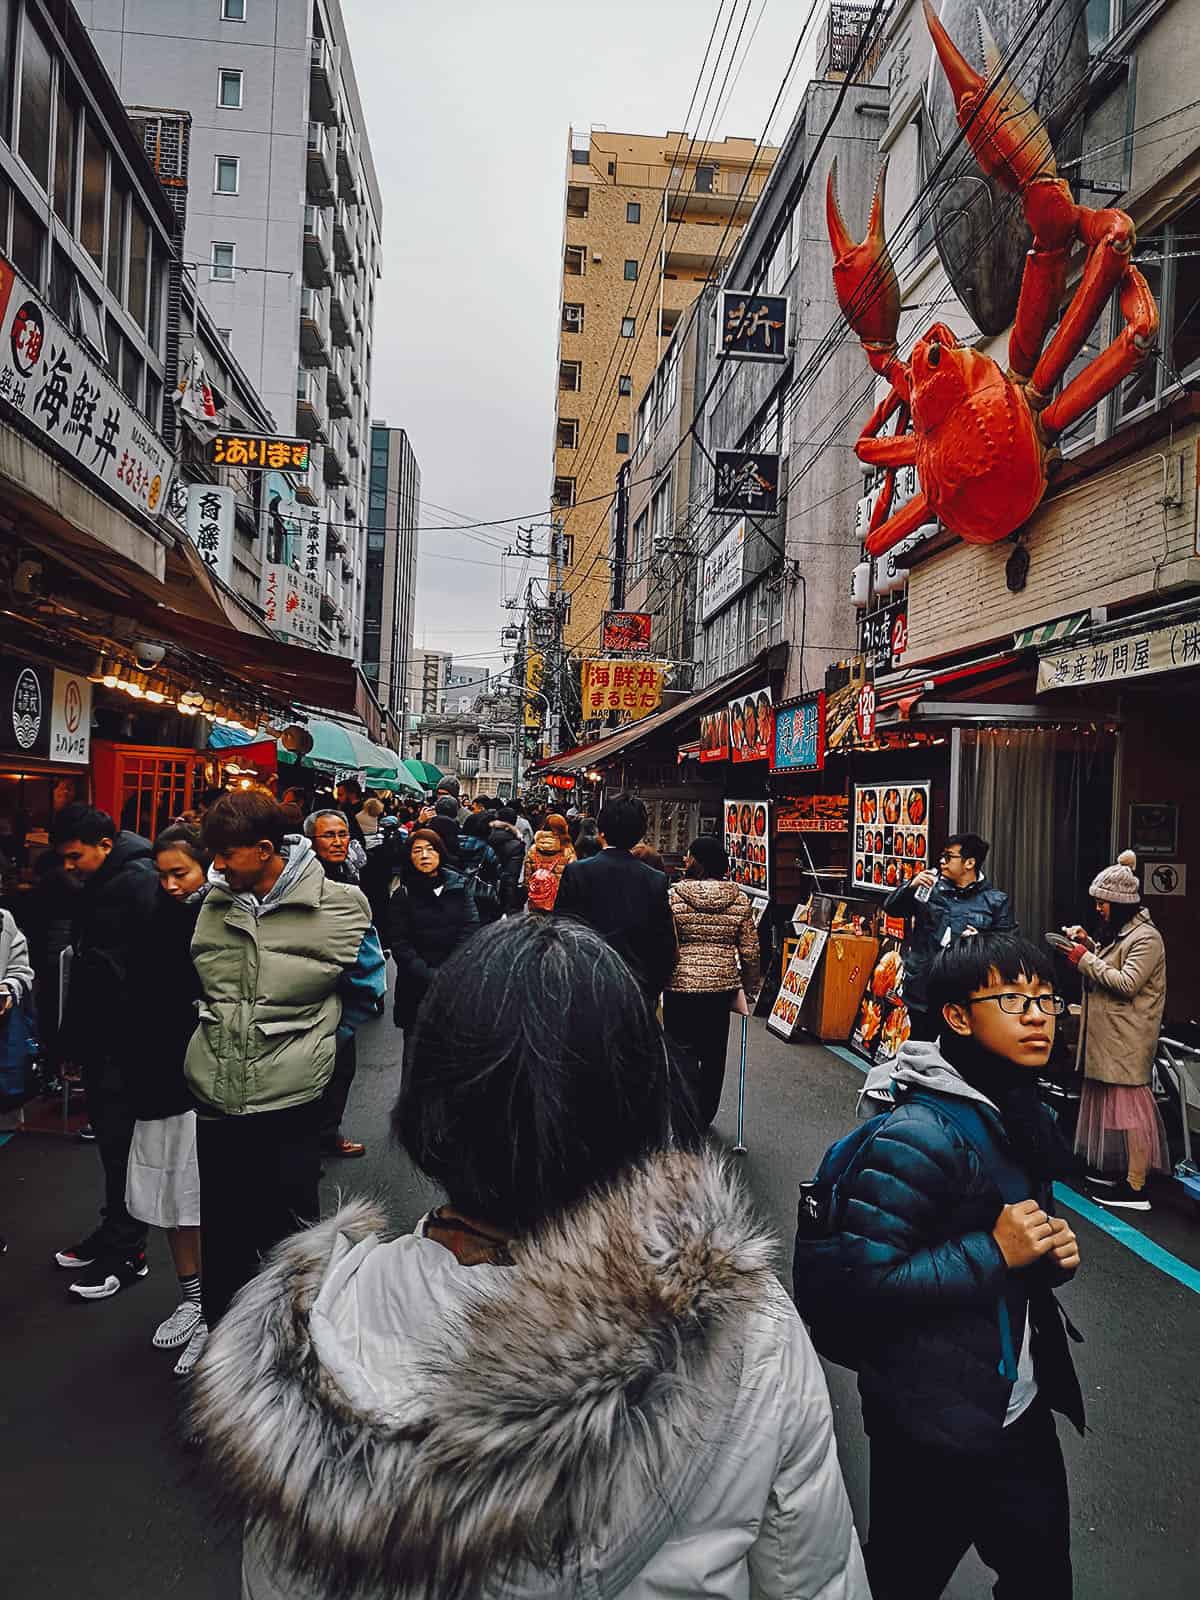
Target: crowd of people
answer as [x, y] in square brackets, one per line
[580, 1373]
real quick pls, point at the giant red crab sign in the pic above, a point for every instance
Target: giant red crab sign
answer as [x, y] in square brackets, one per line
[981, 439]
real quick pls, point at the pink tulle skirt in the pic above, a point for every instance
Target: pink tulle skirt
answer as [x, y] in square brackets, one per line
[1117, 1120]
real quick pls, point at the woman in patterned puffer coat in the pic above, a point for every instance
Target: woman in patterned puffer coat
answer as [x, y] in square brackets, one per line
[718, 955]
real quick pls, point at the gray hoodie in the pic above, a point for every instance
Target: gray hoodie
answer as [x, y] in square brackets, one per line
[919, 1065]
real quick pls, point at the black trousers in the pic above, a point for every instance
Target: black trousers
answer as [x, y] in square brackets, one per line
[259, 1181]
[701, 1022]
[337, 1090]
[112, 1120]
[928, 1507]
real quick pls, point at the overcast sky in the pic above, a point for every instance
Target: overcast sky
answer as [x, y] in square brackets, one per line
[467, 104]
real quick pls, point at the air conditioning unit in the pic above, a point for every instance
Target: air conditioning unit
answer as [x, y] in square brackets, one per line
[597, 257]
[573, 315]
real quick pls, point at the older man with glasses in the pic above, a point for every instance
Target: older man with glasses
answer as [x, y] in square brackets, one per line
[941, 907]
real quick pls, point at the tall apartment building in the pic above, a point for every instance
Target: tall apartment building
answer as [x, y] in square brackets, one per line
[393, 508]
[649, 220]
[428, 674]
[283, 227]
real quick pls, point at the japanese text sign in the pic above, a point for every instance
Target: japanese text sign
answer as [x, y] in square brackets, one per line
[258, 451]
[1133, 655]
[799, 744]
[751, 727]
[314, 543]
[535, 670]
[746, 481]
[748, 845]
[801, 970]
[291, 603]
[632, 688]
[714, 735]
[752, 327]
[210, 516]
[813, 813]
[723, 571]
[45, 712]
[627, 631]
[65, 395]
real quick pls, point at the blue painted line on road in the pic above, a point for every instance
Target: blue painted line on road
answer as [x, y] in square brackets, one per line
[1116, 1228]
[4, 1138]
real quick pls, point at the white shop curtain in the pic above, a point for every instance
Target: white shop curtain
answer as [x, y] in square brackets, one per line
[1007, 796]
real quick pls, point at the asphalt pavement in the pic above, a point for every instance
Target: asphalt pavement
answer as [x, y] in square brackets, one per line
[102, 1501]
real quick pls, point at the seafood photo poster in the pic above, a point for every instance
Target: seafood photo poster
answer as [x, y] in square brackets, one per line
[801, 970]
[890, 834]
[883, 1023]
[748, 844]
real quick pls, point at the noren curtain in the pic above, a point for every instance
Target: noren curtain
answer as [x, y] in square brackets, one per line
[1007, 796]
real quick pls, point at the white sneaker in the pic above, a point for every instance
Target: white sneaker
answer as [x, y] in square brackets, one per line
[179, 1326]
[195, 1349]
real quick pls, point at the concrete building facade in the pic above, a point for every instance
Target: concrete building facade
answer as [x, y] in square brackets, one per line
[393, 510]
[648, 220]
[283, 227]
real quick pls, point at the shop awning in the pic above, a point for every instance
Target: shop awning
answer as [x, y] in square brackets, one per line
[1047, 633]
[337, 748]
[896, 701]
[424, 774]
[623, 739]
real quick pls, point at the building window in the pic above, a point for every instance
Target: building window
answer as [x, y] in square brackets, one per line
[631, 271]
[564, 492]
[222, 263]
[139, 264]
[95, 180]
[625, 384]
[633, 211]
[567, 547]
[574, 257]
[572, 318]
[628, 325]
[441, 752]
[705, 180]
[577, 200]
[233, 10]
[226, 174]
[28, 242]
[503, 759]
[118, 207]
[622, 444]
[569, 373]
[37, 65]
[568, 433]
[637, 546]
[66, 125]
[229, 88]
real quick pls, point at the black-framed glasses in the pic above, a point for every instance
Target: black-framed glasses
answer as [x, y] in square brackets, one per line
[1017, 1005]
[950, 855]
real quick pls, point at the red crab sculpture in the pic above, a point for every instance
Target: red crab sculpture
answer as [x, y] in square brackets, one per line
[982, 439]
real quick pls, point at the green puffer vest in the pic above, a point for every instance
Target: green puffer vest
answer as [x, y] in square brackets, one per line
[270, 1007]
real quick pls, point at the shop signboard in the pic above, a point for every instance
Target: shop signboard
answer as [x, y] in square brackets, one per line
[1136, 654]
[627, 632]
[747, 481]
[714, 735]
[45, 713]
[724, 571]
[1153, 828]
[801, 970]
[751, 727]
[210, 516]
[883, 1022]
[67, 398]
[890, 843]
[884, 636]
[535, 670]
[799, 744]
[812, 813]
[748, 845]
[257, 452]
[633, 689]
[291, 604]
[752, 327]
[844, 703]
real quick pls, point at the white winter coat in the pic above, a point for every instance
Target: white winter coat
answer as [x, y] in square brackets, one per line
[632, 1409]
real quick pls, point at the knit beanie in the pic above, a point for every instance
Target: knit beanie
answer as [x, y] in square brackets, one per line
[1118, 884]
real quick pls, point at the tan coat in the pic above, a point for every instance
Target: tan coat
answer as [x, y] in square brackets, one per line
[1124, 987]
[718, 942]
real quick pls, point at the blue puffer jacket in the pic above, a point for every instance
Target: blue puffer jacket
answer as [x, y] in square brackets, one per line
[977, 905]
[917, 1223]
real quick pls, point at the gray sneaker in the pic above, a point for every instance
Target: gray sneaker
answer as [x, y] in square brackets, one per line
[179, 1326]
[195, 1349]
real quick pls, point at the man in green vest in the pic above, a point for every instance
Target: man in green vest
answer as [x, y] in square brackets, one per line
[277, 949]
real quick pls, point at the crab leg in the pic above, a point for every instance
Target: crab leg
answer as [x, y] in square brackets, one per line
[1102, 375]
[907, 520]
[864, 279]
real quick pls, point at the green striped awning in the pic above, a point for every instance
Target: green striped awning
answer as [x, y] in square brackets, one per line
[1046, 633]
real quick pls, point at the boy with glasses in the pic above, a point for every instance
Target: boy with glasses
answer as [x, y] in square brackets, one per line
[952, 1254]
[940, 906]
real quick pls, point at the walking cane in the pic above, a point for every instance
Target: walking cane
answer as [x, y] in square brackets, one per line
[739, 1148]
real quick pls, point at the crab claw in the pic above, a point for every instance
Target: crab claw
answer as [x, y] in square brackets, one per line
[864, 279]
[1005, 132]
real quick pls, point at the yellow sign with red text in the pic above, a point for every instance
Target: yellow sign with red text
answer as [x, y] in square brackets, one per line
[631, 688]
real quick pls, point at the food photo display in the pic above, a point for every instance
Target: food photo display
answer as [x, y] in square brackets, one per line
[890, 834]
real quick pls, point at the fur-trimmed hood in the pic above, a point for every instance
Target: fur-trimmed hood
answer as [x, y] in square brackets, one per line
[393, 1422]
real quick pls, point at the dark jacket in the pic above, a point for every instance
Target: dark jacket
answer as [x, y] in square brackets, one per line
[163, 993]
[977, 905]
[109, 938]
[626, 902]
[481, 867]
[510, 852]
[426, 929]
[916, 1219]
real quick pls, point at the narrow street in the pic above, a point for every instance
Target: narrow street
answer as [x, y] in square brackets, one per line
[103, 1502]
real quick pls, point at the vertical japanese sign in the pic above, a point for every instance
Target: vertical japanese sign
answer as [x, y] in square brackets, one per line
[314, 545]
[723, 569]
[210, 516]
[752, 327]
[748, 845]
[746, 481]
[535, 671]
[291, 603]
[632, 688]
[63, 394]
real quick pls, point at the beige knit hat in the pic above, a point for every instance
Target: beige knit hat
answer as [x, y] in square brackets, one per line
[1118, 884]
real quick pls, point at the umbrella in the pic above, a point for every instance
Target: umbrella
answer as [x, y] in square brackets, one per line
[337, 748]
[423, 773]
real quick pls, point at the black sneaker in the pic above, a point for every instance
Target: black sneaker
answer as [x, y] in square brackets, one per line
[110, 1277]
[87, 1133]
[86, 1252]
[1123, 1195]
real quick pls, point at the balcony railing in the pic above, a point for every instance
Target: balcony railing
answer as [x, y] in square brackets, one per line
[339, 317]
[316, 247]
[322, 80]
[320, 164]
[314, 327]
[347, 161]
[310, 404]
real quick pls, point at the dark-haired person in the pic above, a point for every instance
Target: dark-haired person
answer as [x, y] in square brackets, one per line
[118, 888]
[1124, 972]
[505, 839]
[961, 900]
[952, 1253]
[578, 1375]
[162, 1186]
[622, 898]
[348, 796]
[431, 914]
[719, 954]
[276, 948]
[587, 843]
[480, 864]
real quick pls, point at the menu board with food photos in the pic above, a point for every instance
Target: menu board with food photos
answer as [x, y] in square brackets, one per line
[890, 842]
[751, 727]
[801, 970]
[748, 845]
[883, 1022]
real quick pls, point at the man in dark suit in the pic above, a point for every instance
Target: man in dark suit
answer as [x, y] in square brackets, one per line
[622, 898]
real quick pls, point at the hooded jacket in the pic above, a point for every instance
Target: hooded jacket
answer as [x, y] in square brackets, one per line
[940, 920]
[547, 855]
[718, 942]
[1124, 991]
[164, 994]
[631, 1409]
[427, 926]
[510, 852]
[917, 1216]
